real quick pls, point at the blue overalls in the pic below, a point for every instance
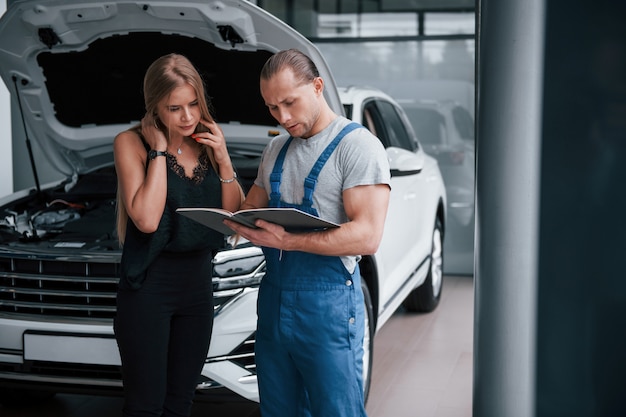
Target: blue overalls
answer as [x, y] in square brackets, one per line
[309, 342]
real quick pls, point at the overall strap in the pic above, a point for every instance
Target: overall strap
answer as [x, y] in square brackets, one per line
[277, 173]
[311, 180]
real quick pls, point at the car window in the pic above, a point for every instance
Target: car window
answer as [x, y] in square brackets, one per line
[463, 122]
[368, 121]
[397, 129]
[429, 125]
[347, 108]
[373, 121]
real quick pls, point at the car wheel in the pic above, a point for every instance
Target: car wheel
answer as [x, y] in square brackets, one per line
[368, 340]
[13, 398]
[425, 298]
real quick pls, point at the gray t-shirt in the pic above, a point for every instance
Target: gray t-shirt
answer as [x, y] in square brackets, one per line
[359, 159]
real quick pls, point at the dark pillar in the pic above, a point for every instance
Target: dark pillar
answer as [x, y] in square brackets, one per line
[551, 168]
[510, 53]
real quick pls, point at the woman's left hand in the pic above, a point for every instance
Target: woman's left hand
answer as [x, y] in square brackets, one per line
[214, 138]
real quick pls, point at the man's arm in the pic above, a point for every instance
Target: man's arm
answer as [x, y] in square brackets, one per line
[366, 207]
[256, 198]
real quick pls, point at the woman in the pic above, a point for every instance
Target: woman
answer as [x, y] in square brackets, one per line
[176, 157]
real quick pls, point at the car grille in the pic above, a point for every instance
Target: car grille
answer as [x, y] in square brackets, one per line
[78, 287]
[36, 285]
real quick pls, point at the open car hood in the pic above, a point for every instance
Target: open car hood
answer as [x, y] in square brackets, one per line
[76, 66]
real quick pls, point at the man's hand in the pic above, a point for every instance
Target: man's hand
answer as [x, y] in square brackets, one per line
[268, 234]
[365, 205]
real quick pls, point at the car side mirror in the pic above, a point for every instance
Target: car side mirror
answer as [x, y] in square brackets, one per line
[403, 162]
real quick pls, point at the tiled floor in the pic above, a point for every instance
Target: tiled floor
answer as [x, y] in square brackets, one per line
[422, 368]
[423, 363]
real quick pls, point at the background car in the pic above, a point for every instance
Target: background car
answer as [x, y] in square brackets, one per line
[75, 68]
[446, 131]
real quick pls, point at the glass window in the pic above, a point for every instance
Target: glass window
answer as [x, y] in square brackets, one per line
[375, 18]
[427, 4]
[428, 124]
[374, 122]
[407, 70]
[363, 25]
[396, 128]
[464, 122]
[449, 23]
[347, 109]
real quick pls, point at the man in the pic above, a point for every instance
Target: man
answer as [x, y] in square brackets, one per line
[309, 341]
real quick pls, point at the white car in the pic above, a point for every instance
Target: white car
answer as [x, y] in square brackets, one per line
[75, 70]
[445, 130]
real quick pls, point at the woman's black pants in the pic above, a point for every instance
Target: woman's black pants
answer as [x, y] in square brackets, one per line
[163, 332]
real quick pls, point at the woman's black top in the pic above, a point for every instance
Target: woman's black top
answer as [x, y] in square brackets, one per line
[176, 233]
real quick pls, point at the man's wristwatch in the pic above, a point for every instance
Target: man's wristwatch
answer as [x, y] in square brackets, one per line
[153, 154]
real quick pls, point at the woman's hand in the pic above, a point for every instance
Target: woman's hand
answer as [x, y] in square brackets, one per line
[152, 132]
[214, 138]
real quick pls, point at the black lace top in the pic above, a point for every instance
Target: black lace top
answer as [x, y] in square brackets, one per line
[176, 233]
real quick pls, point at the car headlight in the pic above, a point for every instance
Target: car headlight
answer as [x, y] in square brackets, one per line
[238, 268]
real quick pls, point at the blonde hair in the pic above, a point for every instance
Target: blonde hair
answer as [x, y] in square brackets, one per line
[162, 77]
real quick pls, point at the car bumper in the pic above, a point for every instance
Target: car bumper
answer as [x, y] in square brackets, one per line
[74, 357]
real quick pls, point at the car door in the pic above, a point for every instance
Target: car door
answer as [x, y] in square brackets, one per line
[407, 234]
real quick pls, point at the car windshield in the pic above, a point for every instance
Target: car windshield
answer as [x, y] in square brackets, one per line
[428, 124]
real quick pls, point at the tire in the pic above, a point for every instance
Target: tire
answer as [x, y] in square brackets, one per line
[425, 298]
[368, 340]
[15, 398]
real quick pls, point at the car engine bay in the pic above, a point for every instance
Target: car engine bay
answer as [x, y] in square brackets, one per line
[72, 215]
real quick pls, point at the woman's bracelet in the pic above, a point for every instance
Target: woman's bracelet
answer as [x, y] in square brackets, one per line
[228, 180]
